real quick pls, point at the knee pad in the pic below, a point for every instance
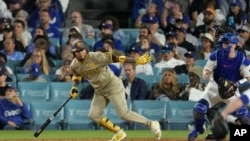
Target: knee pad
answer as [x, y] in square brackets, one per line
[201, 107]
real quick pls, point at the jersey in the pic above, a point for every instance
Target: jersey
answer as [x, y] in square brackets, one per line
[95, 69]
[229, 68]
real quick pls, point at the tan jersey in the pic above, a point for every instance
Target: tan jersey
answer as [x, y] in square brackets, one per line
[95, 69]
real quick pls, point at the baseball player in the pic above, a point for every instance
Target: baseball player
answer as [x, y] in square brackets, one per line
[108, 88]
[225, 65]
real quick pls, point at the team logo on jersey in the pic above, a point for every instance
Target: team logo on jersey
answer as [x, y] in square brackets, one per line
[92, 65]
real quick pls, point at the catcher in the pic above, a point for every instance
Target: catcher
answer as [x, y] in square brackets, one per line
[225, 68]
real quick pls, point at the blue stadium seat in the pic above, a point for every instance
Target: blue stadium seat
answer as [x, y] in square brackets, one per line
[200, 62]
[76, 115]
[13, 64]
[180, 114]
[183, 78]
[41, 111]
[149, 79]
[154, 110]
[111, 113]
[90, 42]
[33, 91]
[60, 90]
[21, 76]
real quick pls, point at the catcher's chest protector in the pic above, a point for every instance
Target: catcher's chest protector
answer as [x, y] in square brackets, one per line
[228, 68]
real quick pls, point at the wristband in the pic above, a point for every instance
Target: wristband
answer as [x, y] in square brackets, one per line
[122, 59]
[77, 78]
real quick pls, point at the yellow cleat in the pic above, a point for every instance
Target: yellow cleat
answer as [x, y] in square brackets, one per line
[119, 136]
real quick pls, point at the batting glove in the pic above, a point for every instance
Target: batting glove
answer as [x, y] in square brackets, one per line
[144, 59]
[74, 92]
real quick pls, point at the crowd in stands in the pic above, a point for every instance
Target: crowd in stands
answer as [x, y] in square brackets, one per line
[176, 33]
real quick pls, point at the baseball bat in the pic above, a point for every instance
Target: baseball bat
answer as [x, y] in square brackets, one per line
[47, 122]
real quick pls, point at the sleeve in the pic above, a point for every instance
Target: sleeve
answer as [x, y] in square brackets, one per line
[211, 62]
[245, 67]
[26, 113]
[2, 118]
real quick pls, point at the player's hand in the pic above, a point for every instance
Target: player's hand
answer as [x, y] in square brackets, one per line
[144, 59]
[206, 74]
[74, 92]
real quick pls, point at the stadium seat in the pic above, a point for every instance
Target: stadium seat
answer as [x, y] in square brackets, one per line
[41, 111]
[21, 76]
[183, 78]
[149, 79]
[200, 62]
[76, 115]
[90, 42]
[154, 110]
[13, 64]
[60, 90]
[180, 114]
[33, 91]
[111, 113]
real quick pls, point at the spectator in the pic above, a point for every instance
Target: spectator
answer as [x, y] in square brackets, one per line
[54, 20]
[190, 63]
[39, 32]
[14, 113]
[244, 35]
[3, 80]
[182, 42]
[151, 12]
[135, 88]
[195, 74]
[207, 46]
[64, 73]
[4, 11]
[134, 52]
[38, 57]
[172, 38]
[4, 22]
[167, 59]
[10, 50]
[172, 11]
[107, 34]
[9, 32]
[209, 22]
[140, 6]
[15, 6]
[167, 89]
[66, 51]
[225, 5]
[34, 75]
[21, 33]
[45, 18]
[155, 37]
[236, 16]
[114, 22]
[87, 31]
[3, 61]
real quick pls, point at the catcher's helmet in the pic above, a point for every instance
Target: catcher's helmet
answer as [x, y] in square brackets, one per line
[79, 45]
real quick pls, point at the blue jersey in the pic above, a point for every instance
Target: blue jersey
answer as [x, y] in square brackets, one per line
[228, 68]
[13, 112]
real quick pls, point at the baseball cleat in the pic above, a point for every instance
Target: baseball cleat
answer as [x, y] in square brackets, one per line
[119, 136]
[192, 135]
[156, 129]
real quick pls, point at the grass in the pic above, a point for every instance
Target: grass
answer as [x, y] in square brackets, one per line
[86, 134]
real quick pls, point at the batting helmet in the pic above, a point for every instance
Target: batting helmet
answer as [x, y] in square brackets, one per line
[79, 45]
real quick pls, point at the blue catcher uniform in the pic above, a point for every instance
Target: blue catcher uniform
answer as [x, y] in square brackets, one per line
[231, 69]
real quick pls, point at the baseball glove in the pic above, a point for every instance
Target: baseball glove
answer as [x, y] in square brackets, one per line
[227, 88]
[219, 127]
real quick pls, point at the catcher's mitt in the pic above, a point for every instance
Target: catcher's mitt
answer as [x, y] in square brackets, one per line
[219, 127]
[226, 88]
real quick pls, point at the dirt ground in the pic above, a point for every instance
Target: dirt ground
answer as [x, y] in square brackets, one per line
[104, 140]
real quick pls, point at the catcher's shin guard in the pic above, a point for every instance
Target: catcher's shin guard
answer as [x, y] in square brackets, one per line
[200, 110]
[106, 123]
